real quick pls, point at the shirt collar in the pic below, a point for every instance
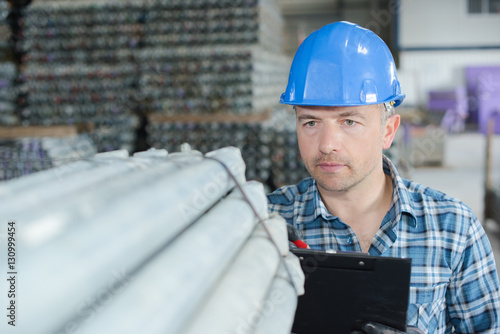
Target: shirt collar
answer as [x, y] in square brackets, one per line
[320, 208]
[400, 197]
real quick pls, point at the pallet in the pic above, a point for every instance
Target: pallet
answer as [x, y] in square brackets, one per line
[208, 118]
[15, 132]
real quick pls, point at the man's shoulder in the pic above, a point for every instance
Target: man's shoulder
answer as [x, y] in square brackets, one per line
[425, 199]
[419, 192]
[288, 195]
[422, 200]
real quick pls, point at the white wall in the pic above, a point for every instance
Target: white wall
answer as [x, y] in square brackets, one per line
[430, 25]
[421, 71]
[445, 23]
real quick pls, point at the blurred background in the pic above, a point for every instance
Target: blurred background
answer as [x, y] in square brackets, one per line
[86, 86]
[84, 76]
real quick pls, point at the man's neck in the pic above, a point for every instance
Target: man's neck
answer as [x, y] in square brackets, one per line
[362, 207]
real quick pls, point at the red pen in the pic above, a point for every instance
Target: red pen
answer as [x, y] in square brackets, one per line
[294, 235]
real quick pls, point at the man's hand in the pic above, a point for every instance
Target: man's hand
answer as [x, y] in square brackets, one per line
[294, 235]
[376, 328]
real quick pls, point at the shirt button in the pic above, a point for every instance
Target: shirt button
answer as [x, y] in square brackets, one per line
[349, 240]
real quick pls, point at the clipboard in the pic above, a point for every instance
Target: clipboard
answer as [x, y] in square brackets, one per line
[344, 290]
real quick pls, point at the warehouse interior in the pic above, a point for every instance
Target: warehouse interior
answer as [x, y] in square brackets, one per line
[89, 84]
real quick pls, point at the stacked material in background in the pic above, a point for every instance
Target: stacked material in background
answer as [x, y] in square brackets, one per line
[204, 79]
[65, 83]
[268, 144]
[4, 26]
[112, 62]
[154, 243]
[8, 70]
[213, 56]
[24, 156]
[8, 93]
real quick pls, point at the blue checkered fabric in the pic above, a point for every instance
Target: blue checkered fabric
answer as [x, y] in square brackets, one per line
[454, 282]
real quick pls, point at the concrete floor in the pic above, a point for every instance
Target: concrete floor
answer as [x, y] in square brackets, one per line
[463, 174]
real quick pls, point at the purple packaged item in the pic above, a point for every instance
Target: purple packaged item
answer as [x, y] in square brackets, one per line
[477, 79]
[488, 101]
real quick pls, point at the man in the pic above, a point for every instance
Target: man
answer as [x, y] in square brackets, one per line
[344, 88]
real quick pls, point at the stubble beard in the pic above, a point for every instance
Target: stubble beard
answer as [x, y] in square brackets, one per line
[336, 181]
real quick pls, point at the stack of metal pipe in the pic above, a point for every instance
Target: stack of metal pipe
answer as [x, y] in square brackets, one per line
[8, 89]
[107, 62]
[211, 79]
[27, 155]
[269, 147]
[154, 243]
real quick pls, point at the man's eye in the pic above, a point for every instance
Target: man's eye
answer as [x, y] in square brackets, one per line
[310, 123]
[349, 122]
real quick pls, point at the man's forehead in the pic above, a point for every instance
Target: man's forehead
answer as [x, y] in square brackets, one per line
[362, 111]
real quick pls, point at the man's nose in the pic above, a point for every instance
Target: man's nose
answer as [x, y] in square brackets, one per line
[330, 139]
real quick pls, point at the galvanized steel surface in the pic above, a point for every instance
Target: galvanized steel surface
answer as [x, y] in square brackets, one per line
[127, 244]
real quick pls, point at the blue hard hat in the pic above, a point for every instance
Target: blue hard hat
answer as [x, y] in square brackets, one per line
[342, 64]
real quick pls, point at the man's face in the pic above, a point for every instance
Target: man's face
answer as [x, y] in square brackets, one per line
[342, 146]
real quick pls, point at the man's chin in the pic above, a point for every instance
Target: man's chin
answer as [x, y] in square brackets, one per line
[330, 185]
[336, 189]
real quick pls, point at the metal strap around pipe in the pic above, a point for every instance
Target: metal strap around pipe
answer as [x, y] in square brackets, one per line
[162, 296]
[89, 251]
[290, 268]
[279, 246]
[275, 229]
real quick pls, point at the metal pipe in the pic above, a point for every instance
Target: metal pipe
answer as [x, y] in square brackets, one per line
[62, 183]
[236, 302]
[25, 185]
[73, 255]
[275, 229]
[278, 310]
[164, 294]
[92, 202]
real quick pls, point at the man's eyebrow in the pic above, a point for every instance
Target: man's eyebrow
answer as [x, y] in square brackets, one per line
[350, 113]
[347, 113]
[307, 116]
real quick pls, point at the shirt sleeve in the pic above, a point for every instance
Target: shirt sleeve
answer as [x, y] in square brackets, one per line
[473, 295]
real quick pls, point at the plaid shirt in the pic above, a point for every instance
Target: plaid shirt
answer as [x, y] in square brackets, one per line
[454, 282]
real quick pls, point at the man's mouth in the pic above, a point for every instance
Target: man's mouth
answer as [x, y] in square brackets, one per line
[330, 166]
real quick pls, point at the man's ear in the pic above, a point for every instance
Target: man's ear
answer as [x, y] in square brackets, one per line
[390, 128]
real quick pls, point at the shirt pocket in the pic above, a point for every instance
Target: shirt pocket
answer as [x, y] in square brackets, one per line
[427, 303]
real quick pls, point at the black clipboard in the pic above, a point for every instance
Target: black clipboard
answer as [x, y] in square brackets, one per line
[344, 290]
